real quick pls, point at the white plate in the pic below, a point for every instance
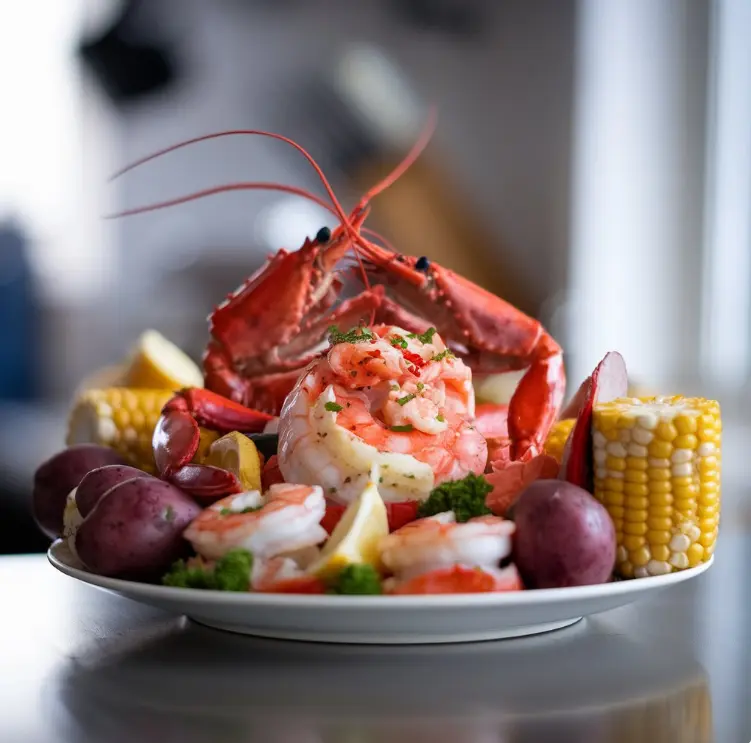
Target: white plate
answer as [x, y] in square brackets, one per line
[381, 619]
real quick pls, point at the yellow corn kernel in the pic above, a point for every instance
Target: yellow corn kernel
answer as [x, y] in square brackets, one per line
[636, 489]
[636, 529]
[660, 523]
[123, 419]
[557, 437]
[613, 484]
[660, 449]
[660, 487]
[666, 431]
[616, 464]
[658, 473]
[635, 516]
[695, 554]
[658, 536]
[640, 557]
[633, 542]
[636, 476]
[686, 424]
[637, 502]
[660, 552]
[686, 441]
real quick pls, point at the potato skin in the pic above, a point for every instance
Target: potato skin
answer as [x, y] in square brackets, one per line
[564, 536]
[97, 482]
[135, 529]
[58, 475]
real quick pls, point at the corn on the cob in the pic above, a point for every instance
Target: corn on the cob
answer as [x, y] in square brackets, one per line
[121, 418]
[657, 471]
[557, 438]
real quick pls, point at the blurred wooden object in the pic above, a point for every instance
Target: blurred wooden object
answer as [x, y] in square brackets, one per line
[423, 214]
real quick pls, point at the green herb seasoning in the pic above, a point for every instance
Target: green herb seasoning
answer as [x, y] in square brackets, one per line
[403, 429]
[404, 400]
[356, 335]
[333, 407]
[426, 337]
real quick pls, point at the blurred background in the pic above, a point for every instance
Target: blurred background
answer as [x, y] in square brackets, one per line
[592, 164]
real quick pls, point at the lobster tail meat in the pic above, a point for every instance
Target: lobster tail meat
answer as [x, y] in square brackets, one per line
[608, 382]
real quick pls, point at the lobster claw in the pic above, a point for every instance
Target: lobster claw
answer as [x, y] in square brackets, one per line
[177, 436]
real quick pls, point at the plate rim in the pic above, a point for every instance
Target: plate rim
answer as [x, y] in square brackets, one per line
[536, 597]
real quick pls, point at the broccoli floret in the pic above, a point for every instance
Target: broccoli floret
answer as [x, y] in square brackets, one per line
[229, 573]
[232, 572]
[356, 580]
[466, 498]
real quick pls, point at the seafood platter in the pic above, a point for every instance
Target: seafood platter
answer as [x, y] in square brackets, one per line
[341, 467]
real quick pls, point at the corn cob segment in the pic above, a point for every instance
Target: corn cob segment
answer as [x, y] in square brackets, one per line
[557, 438]
[657, 471]
[121, 418]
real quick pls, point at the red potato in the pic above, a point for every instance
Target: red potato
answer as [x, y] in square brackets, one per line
[56, 477]
[564, 536]
[135, 530]
[97, 482]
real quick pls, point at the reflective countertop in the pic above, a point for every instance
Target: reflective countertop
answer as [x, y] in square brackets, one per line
[78, 664]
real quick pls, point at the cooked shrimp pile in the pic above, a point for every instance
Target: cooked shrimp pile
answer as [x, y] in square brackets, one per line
[385, 397]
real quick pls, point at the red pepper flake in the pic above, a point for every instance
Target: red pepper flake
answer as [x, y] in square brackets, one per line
[414, 358]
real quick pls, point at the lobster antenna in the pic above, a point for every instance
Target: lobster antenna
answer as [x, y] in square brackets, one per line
[417, 149]
[243, 186]
[341, 214]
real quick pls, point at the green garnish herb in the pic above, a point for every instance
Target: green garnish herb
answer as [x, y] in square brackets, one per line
[357, 580]
[446, 353]
[356, 335]
[466, 498]
[404, 400]
[398, 341]
[229, 573]
[333, 407]
[169, 513]
[420, 386]
[426, 337]
[403, 429]
[247, 509]
[440, 418]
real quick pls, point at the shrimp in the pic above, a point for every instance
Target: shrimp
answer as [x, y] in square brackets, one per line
[382, 397]
[287, 519]
[439, 541]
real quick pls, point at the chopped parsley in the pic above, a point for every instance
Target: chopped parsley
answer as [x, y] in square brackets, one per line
[426, 337]
[440, 418]
[445, 354]
[420, 386]
[398, 341]
[247, 509]
[403, 429]
[404, 400]
[333, 407]
[466, 498]
[169, 513]
[356, 335]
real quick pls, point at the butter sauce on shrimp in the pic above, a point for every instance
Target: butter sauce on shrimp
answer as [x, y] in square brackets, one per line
[381, 396]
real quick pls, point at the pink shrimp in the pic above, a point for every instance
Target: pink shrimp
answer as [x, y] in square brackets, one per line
[440, 542]
[286, 520]
[385, 397]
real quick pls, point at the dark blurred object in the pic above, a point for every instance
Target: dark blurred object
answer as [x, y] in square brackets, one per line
[457, 17]
[18, 380]
[128, 62]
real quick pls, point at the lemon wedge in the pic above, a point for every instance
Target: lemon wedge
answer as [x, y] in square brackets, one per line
[237, 454]
[355, 538]
[159, 364]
